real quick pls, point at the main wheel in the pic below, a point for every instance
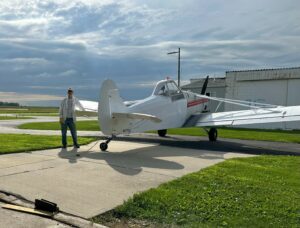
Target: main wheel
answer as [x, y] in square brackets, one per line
[103, 146]
[162, 133]
[213, 134]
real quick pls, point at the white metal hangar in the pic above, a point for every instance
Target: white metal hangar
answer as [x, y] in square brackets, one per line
[272, 86]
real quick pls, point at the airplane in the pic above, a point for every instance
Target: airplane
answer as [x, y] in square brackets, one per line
[171, 107]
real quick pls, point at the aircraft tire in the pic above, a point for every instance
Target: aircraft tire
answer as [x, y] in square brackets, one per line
[213, 134]
[103, 146]
[162, 133]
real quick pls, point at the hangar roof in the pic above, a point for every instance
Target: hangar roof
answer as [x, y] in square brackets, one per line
[267, 69]
[198, 83]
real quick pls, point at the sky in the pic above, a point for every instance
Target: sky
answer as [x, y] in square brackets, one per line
[48, 46]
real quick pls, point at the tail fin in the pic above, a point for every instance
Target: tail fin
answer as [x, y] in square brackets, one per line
[115, 118]
[110, 102]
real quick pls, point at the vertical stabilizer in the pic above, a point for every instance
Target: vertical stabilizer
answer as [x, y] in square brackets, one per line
[110, 101]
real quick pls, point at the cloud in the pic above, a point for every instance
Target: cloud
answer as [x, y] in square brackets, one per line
[47, 46]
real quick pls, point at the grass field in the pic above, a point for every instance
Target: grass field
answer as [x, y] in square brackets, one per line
[88, 125]
[240, 133]
[28, 110]
[39, 111]
[260, 191]
[14, 117]
[249, 134]
[12, 143]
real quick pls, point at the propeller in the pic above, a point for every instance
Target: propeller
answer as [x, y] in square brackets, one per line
[204, 85]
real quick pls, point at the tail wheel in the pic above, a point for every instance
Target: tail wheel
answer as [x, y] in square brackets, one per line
[162, 133]
[213, 134]
[103, 146]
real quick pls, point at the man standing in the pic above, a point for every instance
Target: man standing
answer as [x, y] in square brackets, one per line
[67, 118]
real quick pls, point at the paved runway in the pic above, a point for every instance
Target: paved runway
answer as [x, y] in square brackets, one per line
[11, 126]
[98, 181]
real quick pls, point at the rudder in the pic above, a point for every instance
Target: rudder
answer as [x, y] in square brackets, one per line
[109, 102]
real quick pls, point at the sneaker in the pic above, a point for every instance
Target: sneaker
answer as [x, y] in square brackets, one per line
[77, 146]
[64, 147]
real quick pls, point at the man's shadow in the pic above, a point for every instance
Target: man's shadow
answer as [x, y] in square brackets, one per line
[70, 154]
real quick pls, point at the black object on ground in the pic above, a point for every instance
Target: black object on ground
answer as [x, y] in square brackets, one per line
[46, 205]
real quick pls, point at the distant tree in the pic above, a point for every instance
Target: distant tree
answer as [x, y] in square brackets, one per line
[9, 104]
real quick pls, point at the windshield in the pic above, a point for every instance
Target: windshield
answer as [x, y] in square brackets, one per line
[166, 88]
[173, 89]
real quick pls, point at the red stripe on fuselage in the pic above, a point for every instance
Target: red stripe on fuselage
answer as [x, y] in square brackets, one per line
[197, 102]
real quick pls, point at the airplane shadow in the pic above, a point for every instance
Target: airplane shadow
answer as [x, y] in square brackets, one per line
[133, 161]
[220, 146]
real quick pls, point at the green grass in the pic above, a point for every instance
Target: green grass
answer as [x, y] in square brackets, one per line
[88, 125]
[260, 191]
[14, 117]
[13, 143]
[38, 111]
[236, 133]
[240, 133]
[37, 114]
[28, 110]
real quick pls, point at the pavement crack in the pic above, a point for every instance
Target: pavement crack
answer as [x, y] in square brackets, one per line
[29, 163]
[26, 171]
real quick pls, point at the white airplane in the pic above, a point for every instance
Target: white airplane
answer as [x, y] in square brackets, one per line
[170, 107]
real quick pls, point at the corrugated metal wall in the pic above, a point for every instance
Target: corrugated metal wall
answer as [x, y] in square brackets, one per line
[275, 86]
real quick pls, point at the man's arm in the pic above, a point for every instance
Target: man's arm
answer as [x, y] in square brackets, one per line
[78, 105]
[61, 118]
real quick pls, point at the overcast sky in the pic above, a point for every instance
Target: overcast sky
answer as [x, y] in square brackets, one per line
[48, 46]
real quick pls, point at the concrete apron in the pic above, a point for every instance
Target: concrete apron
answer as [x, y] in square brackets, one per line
[98, 181]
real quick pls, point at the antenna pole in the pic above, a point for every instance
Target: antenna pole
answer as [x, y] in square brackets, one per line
[179, 67]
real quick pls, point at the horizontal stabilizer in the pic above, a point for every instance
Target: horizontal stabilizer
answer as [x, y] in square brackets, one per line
[140, 116]
[244, 117]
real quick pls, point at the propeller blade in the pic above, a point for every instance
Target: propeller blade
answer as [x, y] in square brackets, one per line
[204, 86]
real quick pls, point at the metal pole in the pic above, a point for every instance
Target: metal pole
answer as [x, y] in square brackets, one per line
[179, 67]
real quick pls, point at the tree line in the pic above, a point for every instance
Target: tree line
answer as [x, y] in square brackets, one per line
[9, 104]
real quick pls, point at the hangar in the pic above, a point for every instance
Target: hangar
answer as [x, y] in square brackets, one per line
[279, 86]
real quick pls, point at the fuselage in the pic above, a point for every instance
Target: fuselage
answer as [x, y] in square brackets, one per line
[168, 103]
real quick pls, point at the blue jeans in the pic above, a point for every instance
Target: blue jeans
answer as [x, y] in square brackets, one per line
[64, 127]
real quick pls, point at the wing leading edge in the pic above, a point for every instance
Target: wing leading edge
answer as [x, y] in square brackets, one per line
[253, 116]
[89, 106]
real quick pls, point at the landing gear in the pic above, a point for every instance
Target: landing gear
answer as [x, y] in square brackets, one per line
[162, 133]
[104, 145]
[213, 134]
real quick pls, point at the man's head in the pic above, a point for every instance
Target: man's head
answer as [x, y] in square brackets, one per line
[70, 93]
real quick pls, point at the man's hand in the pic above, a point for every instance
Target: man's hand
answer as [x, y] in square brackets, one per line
[61, 120]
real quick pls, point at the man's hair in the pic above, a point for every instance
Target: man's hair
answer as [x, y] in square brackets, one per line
[70, 90]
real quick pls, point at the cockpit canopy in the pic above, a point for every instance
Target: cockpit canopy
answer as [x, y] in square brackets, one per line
[166, 88]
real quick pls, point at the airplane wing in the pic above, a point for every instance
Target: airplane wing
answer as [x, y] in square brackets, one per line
[139, 116]
[243, 117]
[89, 106]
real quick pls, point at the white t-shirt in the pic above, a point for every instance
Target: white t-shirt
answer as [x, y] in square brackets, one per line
[70, 109]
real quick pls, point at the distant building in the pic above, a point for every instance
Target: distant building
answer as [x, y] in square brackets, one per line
[272, 86]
